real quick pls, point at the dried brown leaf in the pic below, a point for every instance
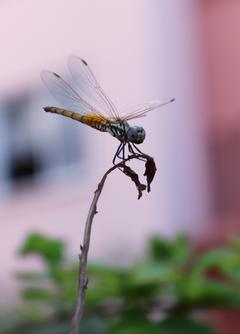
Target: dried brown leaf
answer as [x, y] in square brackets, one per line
[134, 177]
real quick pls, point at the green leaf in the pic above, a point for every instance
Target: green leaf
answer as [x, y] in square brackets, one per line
[180, 249]
[206, 292]
[37, 294]
[136, 324]
[104, 283]
[152, 273]
[51, 250]
[176, 250]
[103, 270]
[234, 243]
[133, 324]
[146, 280]
[182, 325]
[159, 249]
[35, 314]
[221, 258]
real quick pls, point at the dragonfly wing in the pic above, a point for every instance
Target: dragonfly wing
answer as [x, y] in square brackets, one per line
[90, 87]
[66, 95]
[143, 109]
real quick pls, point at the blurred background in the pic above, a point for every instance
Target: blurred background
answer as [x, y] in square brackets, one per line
[50, 165]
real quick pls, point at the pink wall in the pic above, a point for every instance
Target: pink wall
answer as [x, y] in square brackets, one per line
[221, 27]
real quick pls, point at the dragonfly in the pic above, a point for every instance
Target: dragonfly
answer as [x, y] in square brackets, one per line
[90, 105]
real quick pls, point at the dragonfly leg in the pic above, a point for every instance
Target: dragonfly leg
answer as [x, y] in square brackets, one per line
[131, 148]
[123, 150]
[119, 149]
[120, 153]
[137, 148]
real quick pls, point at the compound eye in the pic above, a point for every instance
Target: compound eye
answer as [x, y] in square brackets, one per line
[140, 130]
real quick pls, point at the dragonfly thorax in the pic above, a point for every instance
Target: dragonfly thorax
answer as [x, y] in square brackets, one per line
[126, 133]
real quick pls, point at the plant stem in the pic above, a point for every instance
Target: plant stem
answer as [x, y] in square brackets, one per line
[84, 248]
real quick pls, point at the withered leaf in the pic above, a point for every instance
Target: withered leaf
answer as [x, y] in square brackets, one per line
[150, 170]
[134, 177]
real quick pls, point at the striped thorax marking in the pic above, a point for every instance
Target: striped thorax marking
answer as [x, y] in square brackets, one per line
[119, 130]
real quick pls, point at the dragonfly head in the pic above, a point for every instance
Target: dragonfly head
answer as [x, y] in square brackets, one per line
[136, 134]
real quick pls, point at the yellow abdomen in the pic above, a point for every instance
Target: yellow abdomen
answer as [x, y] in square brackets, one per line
[95, 121]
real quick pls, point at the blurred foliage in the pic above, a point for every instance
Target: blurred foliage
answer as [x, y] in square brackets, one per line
[159, 294]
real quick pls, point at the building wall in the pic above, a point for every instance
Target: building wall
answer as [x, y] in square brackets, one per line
[221, 26]
[139, 51]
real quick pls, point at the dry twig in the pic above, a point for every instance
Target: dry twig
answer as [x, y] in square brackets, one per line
[150, 169]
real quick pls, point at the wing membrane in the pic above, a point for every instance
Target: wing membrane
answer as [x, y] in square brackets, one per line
[90, 99]
[90, 87]
[66, 95]
[143, 109]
